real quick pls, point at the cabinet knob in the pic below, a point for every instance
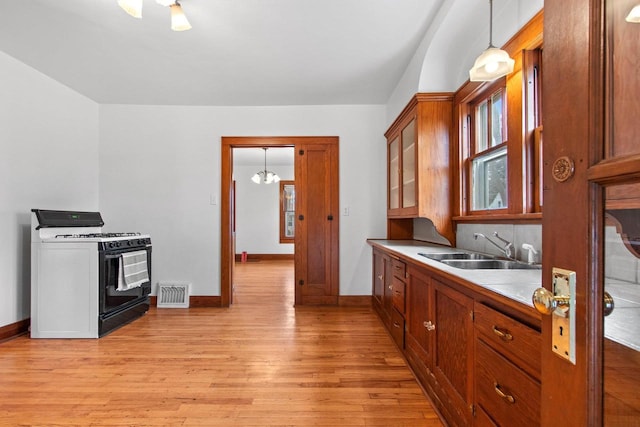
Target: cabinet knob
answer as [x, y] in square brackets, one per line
[429, 325]
[390, 287]
[380, 277]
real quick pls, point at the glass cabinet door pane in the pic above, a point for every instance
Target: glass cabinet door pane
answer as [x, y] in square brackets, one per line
[394, 174]
[409, 165]
[621, 340]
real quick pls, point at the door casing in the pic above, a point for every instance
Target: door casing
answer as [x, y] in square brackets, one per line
[227, 255]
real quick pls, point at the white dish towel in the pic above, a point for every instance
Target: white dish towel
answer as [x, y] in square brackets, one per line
[132, 270]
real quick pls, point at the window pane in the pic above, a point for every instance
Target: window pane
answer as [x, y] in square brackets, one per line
[489, 181]
[482, 127]
[497, 132]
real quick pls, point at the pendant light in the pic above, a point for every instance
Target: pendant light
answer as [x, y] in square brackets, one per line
[179, 21]
[132, 7]
[265, 175]
[493, 62]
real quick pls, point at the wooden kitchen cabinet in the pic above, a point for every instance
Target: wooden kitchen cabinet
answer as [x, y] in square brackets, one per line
[453, 349]
[388, 293]
[439, 343]
[507, 369]
[471, 356]
[378, 279]
[418, 166]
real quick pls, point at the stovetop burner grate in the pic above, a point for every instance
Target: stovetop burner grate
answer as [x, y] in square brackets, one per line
[95, 235]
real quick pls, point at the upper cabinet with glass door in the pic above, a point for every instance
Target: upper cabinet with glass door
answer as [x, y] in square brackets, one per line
[418, 161]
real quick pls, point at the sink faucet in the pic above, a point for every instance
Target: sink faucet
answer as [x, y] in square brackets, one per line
[531, 254]
[507, 249]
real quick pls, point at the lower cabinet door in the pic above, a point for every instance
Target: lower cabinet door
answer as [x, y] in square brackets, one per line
[507, 394]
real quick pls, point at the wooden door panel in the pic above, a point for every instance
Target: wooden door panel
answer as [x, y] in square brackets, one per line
[591, 118]
[453, 356]
[317, 224]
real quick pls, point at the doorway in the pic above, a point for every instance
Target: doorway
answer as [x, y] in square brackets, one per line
[317, 220]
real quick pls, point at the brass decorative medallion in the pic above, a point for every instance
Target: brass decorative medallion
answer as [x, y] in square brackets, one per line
[563, 169]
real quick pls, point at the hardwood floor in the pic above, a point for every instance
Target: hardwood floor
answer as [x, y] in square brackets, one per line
[261, 362]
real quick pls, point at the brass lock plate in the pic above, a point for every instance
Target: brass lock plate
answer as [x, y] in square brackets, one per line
[563, 318]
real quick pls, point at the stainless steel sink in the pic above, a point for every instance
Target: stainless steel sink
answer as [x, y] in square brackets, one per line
[489, 264]
[455, 256]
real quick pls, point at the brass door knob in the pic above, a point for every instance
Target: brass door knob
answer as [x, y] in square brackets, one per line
[545, 302]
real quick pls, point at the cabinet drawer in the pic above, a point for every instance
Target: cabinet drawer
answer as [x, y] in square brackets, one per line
[397, 328]
[399, 268]
[507, 394]
[398, 293]
[509, 337]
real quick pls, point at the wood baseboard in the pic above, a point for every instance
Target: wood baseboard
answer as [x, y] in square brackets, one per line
[14, 330]
[264, 257]
[355, 300]
[195, 301]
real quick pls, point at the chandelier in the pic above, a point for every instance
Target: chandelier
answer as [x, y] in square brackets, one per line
[265, 176]
[179, 21]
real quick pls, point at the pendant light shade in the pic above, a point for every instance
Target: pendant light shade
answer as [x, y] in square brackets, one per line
[132, 7]
[265, 176]
[493, 62]
[179, 21]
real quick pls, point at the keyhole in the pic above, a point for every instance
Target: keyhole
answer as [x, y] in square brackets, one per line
[561, 328]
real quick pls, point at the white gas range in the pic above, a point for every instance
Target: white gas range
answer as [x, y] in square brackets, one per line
[85, 283]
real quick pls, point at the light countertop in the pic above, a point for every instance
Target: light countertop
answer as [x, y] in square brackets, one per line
[519, 286]
[515, 284]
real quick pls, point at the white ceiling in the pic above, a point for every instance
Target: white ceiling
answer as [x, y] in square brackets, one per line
[239, 52]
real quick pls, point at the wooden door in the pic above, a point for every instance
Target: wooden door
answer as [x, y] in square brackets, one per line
[453, 355]
[319, 243]
[317, 224]
[591, 174]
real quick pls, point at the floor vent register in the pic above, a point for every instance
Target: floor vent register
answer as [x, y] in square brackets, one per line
[173, 295]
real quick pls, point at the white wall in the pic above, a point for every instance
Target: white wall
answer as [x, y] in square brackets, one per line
[258, 211]
[48, 160]
[443, 60]
[160, 167]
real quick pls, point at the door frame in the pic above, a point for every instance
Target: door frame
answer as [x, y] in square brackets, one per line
[228, 143]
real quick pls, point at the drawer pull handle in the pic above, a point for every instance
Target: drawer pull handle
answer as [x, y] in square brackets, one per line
[504, 336]
[396, 325]
[429, 325]
[500, 393]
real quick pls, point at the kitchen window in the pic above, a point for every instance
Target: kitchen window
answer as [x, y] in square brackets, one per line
[488, 160]
[497, 167]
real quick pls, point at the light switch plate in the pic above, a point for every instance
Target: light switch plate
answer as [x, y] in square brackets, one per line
[563, 318]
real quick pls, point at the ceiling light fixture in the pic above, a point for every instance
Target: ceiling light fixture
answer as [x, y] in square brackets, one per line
[265, 175]
[179, 21]
[132, 7]
[634, 15]
[493, 62]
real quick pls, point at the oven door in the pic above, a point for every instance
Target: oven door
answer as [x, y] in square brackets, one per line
[111, 299]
